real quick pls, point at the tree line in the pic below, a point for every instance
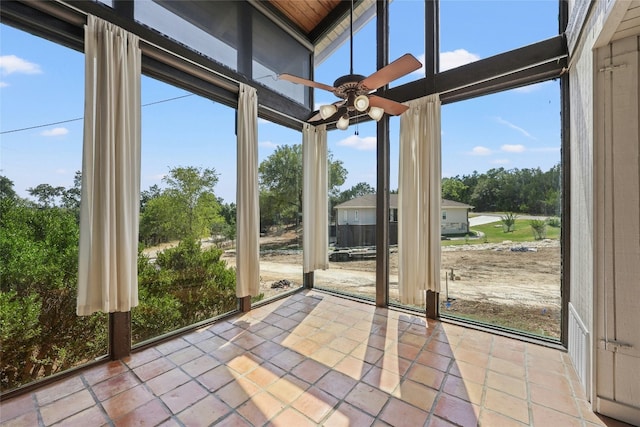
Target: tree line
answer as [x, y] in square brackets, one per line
[529, 191]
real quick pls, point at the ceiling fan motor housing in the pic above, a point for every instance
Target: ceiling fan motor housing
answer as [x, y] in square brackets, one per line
[349, 84]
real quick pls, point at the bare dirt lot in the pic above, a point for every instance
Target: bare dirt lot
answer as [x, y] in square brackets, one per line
[511, 285]
[516, 285]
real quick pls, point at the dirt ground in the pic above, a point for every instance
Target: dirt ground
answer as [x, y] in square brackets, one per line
[511, 285]
[516, 285]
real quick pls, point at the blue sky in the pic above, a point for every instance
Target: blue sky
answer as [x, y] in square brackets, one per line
[41, 83]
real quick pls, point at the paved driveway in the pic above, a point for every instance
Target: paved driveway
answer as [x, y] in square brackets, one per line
[483, 219]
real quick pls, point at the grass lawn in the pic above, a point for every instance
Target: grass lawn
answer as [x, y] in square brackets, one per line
[494, 233]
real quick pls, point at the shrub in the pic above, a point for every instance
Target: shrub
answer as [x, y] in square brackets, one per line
[508, 221]
[539, 228]
[553, 221]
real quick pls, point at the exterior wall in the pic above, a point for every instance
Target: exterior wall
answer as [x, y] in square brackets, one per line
[349, 236]
[366, 216]
[456, 221]
[617, 229]
[586, 32]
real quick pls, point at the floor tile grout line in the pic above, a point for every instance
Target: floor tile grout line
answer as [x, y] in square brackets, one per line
[37, 409]
[97, 401]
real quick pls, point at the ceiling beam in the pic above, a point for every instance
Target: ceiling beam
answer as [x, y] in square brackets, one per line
[471, 77]
[42, 24]
[537, 74]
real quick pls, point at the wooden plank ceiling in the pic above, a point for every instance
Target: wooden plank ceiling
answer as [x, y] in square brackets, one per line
[307, 14]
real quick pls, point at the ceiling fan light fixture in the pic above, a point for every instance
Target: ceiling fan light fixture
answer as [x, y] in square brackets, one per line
[361, 103]
[343, 122]
[327, 111]
[376, 113]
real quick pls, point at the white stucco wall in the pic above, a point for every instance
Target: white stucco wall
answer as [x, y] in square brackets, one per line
[366, 216]
[455, 222]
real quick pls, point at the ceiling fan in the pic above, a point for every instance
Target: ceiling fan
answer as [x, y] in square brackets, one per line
[355, 90]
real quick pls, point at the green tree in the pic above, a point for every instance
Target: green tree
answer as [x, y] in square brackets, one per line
[46, 194]
[186, 208]
[6, 188]
[38, 280]
[184, 285]
[191, 189]
[148, 195]
[280, 177]
[454, 189]
[358, 190]
[71, 196]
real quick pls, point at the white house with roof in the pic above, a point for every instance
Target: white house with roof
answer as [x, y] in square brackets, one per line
[356, 220]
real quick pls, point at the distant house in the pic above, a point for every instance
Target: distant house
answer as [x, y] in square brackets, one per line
[356, 220]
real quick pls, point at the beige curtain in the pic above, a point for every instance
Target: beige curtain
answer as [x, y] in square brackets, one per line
[109, 209]
[247, 200]
[419, 200]
[315, 220]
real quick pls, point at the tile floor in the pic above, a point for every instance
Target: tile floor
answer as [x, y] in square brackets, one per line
[316, 359]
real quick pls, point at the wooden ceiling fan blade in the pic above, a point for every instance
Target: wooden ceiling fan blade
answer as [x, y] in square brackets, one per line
[390, 107]
[398, 68]
[310, 83]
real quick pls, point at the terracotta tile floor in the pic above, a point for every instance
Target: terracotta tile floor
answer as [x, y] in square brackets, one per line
[316, 359]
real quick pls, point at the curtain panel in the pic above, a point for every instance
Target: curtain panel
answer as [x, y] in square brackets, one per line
[110, 203]
[247, 196]
[315, 196]
[419, 200]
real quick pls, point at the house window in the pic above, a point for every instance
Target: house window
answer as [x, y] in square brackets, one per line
[346, 215]
[393, 215]
[355, 217]
[444, 215]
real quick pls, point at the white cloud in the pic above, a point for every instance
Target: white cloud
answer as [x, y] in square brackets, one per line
[513, 148]
[355, 141]
[3, 84]
[10, 64]
[545, 149]
[61, 171]
[501, 161]
[479, 150]
[449, 60]
[456, 58]
[55, 132]
[512, 126]
[157, 177]
[532, 88]
[268, 144]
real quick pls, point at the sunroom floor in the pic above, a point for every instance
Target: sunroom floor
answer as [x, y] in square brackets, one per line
[317, 359]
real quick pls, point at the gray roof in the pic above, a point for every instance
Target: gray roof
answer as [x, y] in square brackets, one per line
[369, 201]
